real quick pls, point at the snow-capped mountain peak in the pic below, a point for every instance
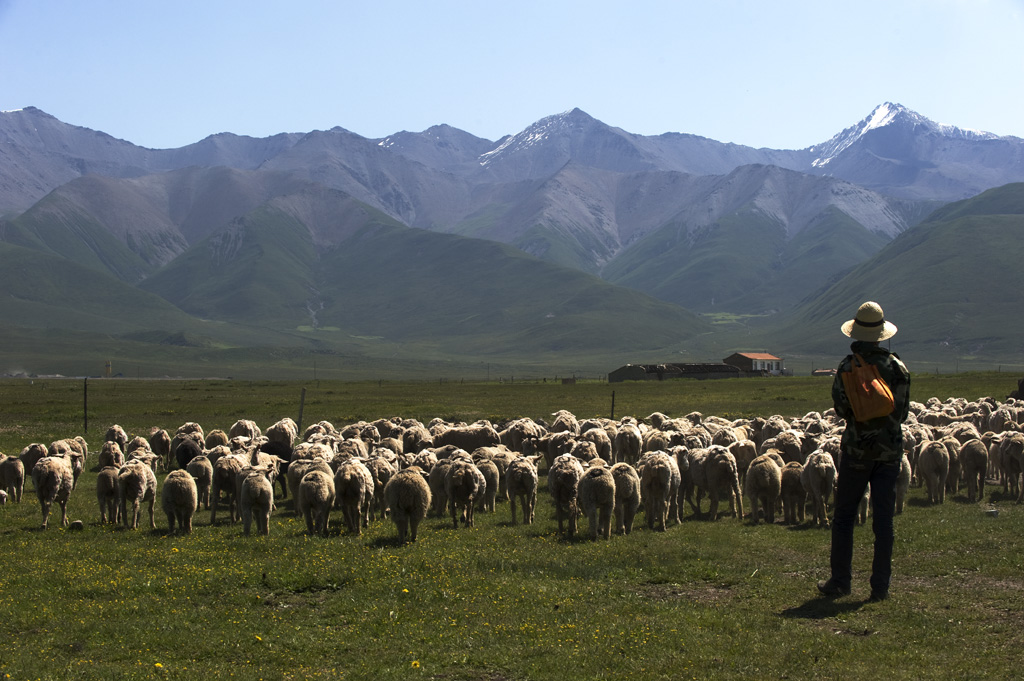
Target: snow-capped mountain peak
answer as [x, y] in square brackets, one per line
[538, 132]
[884, 115]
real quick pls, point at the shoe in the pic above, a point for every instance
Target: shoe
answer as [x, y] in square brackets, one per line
[878, 596]
[830, 589]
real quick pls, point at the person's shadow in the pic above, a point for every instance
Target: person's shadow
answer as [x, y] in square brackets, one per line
[821, 608]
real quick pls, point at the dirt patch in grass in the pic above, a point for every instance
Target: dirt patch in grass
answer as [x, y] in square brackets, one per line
[703, 594]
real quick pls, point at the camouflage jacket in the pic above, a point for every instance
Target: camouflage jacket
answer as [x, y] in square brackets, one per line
[879, 439]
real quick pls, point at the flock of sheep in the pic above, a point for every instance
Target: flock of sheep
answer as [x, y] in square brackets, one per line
[603, 469]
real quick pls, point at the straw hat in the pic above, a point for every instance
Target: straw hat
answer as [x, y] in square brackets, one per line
[869, 324]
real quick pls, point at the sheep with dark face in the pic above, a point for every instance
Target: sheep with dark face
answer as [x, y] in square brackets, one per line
[190, 429]
[188, 448]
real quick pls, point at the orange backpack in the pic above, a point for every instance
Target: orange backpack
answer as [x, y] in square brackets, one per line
[869, 395]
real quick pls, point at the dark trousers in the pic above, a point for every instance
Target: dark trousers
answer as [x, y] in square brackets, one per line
[854, 477]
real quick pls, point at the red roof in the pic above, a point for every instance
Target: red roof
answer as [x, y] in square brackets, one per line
[758, 355]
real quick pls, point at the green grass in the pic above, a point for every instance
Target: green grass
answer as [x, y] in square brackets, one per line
[703, 600]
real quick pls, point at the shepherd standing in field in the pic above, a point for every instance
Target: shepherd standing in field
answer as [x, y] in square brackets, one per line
[871, 451]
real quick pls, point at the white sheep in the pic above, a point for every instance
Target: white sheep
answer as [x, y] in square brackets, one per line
[933, 468]
[903, 483]
[522, 485]
[382, 471]
[111, 454]
[353, 485]
[468, 437]
[407, 494]
[596, 495]
[75, 450]
[53, 479]
[763, 485]
[492, 481]
[792, 492]
[160, 444]
[628, 444]
[298, 470]
[30, 455]
[974, 465]
[225, 474]
[115, 433]
[12, 476]
[627, 496]
[713, 471]
[201, 471]
[284, 431]
[136, 484]
[256, 499]
[659, 486]
[819, 478]
[438, 495]
[315, 499]
[463, 483]
[179, 499]
[244, 428]
[107, 493]
[564, 476]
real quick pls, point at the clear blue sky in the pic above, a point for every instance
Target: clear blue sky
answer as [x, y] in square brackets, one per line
[777, 74]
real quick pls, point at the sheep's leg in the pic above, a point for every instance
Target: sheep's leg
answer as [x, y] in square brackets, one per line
[45, 505]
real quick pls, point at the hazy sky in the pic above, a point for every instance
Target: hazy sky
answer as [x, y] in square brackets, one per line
[777, 74]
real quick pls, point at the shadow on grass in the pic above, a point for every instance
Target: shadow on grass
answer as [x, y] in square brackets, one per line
[821, 608]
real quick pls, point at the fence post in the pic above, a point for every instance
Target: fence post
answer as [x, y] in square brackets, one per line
[612, 417]
[302, 406]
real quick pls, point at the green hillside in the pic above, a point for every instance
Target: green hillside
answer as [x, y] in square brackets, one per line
[259, 270]
[470, 295]
[58, 226]
[951, 285]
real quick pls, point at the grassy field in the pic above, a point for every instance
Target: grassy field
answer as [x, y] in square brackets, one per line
[721, 599]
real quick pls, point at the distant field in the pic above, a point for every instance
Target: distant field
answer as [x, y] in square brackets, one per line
[721, 600]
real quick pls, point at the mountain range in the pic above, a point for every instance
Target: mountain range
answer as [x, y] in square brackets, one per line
[570, 237]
